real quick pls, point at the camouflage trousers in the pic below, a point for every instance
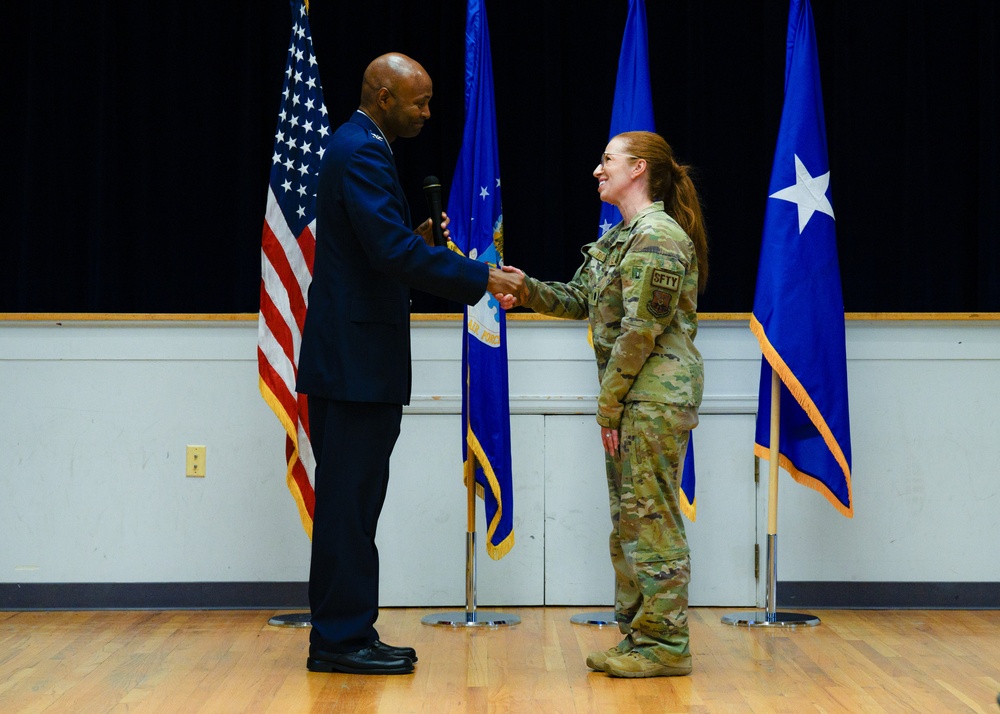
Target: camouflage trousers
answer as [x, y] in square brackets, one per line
[649, 549]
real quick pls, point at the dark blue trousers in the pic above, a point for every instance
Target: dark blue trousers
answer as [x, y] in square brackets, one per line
[352, 442]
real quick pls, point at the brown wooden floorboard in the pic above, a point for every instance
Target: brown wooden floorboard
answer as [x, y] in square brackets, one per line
[214, 662]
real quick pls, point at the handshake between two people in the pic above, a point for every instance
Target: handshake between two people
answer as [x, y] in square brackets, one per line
[506, 284]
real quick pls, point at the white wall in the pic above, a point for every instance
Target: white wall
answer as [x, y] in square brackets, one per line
[95, 417]
[925, 427]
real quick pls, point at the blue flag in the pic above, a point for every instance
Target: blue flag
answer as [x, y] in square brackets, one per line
[632, 110]
[798, 310]
[477, 231]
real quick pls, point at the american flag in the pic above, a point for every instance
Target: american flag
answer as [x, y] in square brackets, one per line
[287, 249]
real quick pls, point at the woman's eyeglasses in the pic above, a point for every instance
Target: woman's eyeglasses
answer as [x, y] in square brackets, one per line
[604, 157]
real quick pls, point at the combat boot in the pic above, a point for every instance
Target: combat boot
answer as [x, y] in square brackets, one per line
[596, 660]
[633, 664]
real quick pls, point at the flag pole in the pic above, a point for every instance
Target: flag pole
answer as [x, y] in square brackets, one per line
[600, 618]
[285, 232]
[770, 617]
[470, 617]
[470, 538]
[772, 497]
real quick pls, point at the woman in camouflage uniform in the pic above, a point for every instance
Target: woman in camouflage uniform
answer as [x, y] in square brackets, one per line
[639, 286]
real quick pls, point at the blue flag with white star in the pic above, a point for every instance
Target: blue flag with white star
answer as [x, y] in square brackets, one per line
[477, 231]
[632, 110]
[798, 310]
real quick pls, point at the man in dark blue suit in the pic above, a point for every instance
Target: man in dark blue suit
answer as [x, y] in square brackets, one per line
[354, 362]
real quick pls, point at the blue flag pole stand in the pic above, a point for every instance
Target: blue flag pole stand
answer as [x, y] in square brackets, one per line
[770, 617]
[470, 617]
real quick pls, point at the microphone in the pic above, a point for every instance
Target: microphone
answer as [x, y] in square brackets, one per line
[432, 192]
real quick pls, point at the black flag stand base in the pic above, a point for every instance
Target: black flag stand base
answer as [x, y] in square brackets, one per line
[292, 619]
[598, 619]
[761, 618]
[770, 617]
[470, 617]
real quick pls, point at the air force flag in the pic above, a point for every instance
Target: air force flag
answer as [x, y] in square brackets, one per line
[477, 231]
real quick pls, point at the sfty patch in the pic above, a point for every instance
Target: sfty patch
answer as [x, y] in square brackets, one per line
[665, 280]
[659, 303]
[658, 290]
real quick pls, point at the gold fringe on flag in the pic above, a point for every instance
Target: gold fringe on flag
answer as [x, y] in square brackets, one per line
[290, 429]
[500, 549]
[809, 407]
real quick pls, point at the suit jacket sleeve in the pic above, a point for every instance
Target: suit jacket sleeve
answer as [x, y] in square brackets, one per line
[356, 338]
[392, 247]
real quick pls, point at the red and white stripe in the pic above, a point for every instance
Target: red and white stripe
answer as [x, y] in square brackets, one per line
[286, 272]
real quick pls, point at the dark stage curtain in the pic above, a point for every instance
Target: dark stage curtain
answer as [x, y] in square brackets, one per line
[139, 138]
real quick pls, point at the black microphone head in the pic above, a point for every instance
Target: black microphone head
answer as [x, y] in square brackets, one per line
[432, 192]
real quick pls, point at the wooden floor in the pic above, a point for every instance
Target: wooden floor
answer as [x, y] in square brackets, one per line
[226, 661]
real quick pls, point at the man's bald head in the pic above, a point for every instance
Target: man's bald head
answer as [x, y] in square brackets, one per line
[395, 92]
[387, 71]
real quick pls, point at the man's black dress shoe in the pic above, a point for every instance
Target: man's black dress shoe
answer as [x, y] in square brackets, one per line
[367, 661]
[408, 652]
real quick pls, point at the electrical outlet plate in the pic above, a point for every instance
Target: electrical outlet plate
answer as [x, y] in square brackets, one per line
[196, 461]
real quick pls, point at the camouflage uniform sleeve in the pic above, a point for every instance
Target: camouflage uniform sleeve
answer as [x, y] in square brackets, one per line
[652, 274]
[567, 300]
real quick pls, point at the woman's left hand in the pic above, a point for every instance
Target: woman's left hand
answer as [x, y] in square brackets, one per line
[609, 440]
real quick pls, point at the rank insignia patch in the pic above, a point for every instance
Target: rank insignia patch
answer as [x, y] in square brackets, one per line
[599, 253]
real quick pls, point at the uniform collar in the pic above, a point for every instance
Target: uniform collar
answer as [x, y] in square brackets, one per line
[651, 208]
[621, 230]
[373, 128]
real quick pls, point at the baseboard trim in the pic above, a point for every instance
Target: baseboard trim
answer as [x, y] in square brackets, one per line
[792, 595]
[888, 595]
[154, 596]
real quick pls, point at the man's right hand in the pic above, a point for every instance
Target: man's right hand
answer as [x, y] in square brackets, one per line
[507, 286]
